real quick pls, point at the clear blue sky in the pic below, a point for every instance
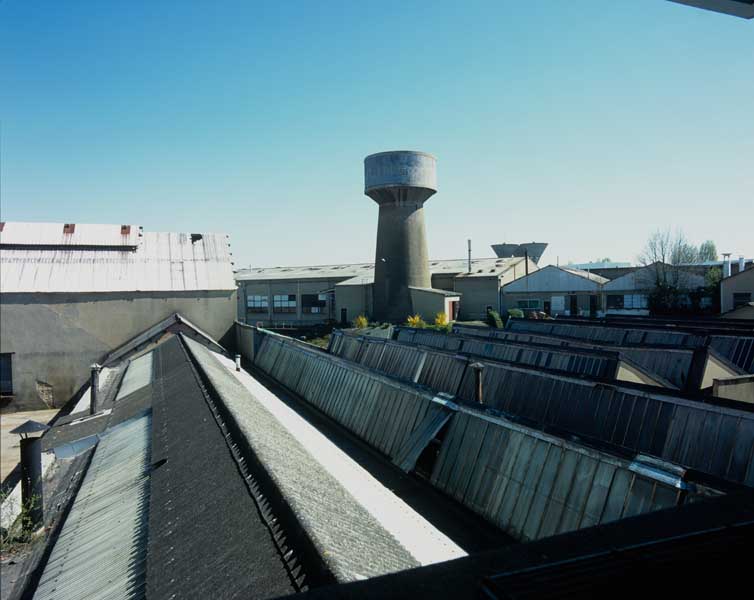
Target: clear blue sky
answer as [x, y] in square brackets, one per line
[585, 124]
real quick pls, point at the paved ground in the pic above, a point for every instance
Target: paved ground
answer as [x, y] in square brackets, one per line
[9, 442]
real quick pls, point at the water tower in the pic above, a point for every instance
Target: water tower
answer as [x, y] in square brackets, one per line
[400, 182]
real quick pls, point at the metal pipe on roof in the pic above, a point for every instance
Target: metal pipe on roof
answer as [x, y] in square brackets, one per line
[94, 388]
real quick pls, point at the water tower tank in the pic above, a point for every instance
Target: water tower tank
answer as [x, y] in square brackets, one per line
[399, 182]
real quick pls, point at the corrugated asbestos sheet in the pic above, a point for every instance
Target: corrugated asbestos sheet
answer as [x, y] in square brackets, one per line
[534, 485]
[605, 335]
[84, 234]
[672, 364]
[712, 439]
[709, 438]
[737, 349]
[162, 262]
[442, 370]
[101, 551]
[384, 413]
[529, 483]
[138, 375]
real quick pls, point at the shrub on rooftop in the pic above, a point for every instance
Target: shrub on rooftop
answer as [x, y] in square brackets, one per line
[416, 321]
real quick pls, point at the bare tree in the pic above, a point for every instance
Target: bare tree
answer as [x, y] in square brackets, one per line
[671, 257]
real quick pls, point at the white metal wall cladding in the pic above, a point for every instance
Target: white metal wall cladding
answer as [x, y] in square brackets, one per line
[161, 262]
[533, 485]
[101, 551]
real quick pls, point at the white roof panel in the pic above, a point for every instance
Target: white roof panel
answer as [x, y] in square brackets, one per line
[167, 262]
[68, 234]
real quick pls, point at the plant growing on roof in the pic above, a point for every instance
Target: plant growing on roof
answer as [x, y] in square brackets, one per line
[441, 319]
[360, 322]
[416, 321]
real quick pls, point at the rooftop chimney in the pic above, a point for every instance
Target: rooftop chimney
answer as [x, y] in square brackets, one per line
[726, 264]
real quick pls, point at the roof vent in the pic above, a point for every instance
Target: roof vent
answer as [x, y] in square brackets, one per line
[69, 228]
[125, 230]
[195, 237]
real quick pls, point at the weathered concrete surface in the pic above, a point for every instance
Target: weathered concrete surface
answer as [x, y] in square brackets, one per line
[400, 182]
[9, 448]
[56, 337]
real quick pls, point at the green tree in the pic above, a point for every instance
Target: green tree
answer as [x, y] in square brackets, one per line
[707, 251]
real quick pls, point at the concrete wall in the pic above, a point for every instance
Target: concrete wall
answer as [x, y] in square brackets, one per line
[715, 369]
[734, 285]
[355, 299]
[55, 337]
[284, 287]
[428, 303]
[477, 293]
[510, 300]
[735, 388]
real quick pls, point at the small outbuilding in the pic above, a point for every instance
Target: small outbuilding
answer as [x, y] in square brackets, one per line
[556, 291]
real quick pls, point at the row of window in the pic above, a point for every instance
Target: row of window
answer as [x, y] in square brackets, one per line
[627, 301]
[287, 303]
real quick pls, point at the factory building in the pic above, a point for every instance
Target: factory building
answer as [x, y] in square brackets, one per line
[556, 291]
[296, 296]
[737, 291]
[71, 293]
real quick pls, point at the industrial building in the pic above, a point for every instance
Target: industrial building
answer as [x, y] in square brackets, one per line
[569, 291]
[556, 291]
[737, 291]
[72, 292]
[373, 467]
[278, 296]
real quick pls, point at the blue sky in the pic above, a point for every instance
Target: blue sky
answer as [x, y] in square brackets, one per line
[585, 124]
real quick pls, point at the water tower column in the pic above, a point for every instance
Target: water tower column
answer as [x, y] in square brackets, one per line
[400, 182]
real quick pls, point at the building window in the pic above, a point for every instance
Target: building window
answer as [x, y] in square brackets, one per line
[314, 303]
[615, 301]
[257, 304]
[6, 374]
[741, 299]
[524, 304]
[284, 303]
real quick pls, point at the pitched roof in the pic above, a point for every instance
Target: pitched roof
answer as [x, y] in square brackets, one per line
[480, 267]
[555, 279]
[43, 260]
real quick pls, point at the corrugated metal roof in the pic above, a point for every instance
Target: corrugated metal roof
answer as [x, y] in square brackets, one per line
[480, 267]
[138, 375]
[54, 234]
[161, 262]
[101, 551]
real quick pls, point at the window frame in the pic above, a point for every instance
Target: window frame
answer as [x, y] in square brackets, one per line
[284, 303]
[258, 303]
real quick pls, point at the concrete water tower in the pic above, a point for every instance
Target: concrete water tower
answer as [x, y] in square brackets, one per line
[400, 182]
